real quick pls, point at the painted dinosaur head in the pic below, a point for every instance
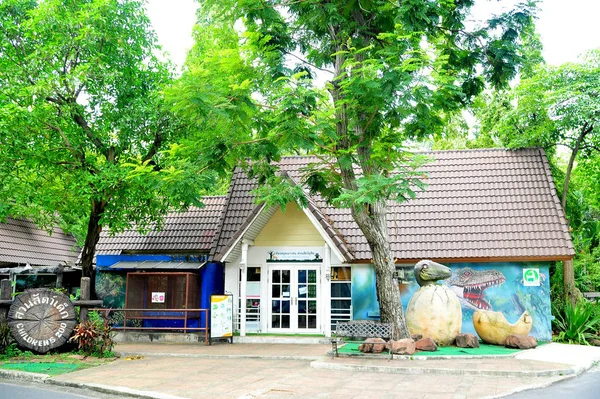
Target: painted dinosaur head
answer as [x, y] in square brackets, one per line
[428, 272]
[470, 285]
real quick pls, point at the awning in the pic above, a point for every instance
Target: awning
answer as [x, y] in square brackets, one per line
[154, 265]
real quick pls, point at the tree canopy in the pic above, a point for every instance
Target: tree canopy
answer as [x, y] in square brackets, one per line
[85, 133]
[393, 72]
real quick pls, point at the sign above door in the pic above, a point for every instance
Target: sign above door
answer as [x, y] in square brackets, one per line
[294, 256]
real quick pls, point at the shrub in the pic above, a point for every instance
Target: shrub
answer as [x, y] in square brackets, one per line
[5, 336]
[94, 336]
[85, 336]
[577, 324]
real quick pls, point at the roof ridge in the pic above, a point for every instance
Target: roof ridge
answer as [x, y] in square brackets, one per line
[496, 149]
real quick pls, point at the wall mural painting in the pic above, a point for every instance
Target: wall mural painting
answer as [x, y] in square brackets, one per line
[497, 287]
[110, 287]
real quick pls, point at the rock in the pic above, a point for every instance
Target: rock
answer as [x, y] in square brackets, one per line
[493, 328]
[595, 342]
[416, 337]
[404, 346]
[426, 344]
[434, 311]
[467, 341]
[372, 345]
[520, 342]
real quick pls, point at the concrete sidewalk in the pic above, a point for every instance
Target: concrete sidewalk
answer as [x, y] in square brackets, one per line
[275, 371]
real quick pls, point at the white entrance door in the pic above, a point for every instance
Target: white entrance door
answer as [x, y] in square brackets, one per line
[294, 298]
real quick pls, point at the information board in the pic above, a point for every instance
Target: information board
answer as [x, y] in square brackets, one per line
[221, 316]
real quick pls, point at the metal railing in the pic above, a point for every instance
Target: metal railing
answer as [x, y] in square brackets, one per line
[131, 316]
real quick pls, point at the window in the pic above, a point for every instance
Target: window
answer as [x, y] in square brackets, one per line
[253, 274]
[37, 280]
[341, 294]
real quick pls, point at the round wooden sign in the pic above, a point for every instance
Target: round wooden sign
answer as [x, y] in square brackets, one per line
[41, 319]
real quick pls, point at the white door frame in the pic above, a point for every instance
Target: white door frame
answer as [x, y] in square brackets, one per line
[297, 297]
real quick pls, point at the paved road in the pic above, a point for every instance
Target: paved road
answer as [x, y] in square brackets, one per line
[586, 386]
[27, 390]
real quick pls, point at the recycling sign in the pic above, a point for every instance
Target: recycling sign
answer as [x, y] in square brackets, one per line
[531, 277]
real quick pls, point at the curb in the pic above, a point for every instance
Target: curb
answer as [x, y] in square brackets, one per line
[440, 371]
[23, 375]
[115, 390]
[532, 387]
[209, 356]
[121, 391]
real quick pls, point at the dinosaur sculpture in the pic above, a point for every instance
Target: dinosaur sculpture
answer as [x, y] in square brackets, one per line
[434, 310]
[470, 285]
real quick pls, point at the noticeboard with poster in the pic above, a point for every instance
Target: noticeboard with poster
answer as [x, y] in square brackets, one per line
[221, 317]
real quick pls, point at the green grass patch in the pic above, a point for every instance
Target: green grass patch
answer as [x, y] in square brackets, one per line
[483, 350]
[43, 368]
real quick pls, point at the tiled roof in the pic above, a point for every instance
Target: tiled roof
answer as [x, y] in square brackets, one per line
[183, 232]
[22, 242]
[479, 205]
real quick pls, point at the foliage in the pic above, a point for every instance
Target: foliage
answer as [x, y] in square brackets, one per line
[94, 336]
[6, 338]
[395, 72]
[83, 120]
[577, 323]
[12, 351]
[85, 336]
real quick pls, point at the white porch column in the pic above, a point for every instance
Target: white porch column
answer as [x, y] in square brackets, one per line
[326, 291]
[243, 284]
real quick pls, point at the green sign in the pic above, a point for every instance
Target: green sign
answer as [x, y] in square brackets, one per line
[531, 277]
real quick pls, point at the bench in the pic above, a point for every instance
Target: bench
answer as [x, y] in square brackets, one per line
[592, 296]
[357, 331]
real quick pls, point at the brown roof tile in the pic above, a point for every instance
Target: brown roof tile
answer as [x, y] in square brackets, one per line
[22, 242]
[478, 204]
[190, 231]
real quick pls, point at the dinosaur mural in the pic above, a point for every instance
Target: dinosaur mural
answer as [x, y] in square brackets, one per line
[470, 285]
[488, 286]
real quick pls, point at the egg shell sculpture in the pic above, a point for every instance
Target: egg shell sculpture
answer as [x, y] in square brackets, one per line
[435, 311]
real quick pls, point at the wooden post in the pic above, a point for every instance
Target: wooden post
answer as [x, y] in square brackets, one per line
[85, 296]
[59, 276]
[5, 293]
[569, 281]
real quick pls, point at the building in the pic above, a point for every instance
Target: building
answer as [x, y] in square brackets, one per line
[33, 258]
[492, 216]
[162, 261]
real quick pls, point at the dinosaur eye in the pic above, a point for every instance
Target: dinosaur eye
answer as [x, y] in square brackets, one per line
[466, 274]
[424, 266]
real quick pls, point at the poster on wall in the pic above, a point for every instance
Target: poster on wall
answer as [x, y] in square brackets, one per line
[221, 317]
[531, 277]
[158, 297]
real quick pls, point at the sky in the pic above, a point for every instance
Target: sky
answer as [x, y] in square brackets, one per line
[567, 27]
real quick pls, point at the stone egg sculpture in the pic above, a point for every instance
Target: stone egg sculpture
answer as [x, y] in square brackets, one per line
[434, 310]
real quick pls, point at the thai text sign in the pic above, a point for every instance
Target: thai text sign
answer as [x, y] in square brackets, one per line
[294, 256]
[41, 319]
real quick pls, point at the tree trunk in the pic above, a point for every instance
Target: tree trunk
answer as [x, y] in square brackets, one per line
[584, 132]
[373, 223]
[91, 239]
[372, 218]
[569, 281]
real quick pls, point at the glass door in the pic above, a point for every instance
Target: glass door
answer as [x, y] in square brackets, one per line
[281, 299]
[307, 305]
[294, 296]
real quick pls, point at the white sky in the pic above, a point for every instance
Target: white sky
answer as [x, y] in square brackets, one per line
[567, 27]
